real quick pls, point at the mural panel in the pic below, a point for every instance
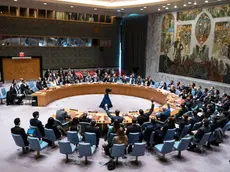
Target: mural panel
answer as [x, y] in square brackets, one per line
[167, 35]
[183, 35]
[188, 15]
[220, 11]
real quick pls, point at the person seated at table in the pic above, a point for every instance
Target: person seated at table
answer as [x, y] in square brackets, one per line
[184, 122]
[199, 134]
[164, 86]
[62, 116]
[195, 118]
[171, 83]
[163, 116]
[114, 78]
[20, 131]
[172, 89]
[88, 78]
[14, 94]
[39, 84]
[74, 125]
[144, 117]
[131, 80]
[113, 118]
[92, 128]
[153, 126]
[51, 125]
[147, 81]
[170, 124]
[44, 83]
[139, 80]
[134, 127]
[25, 88]
[84, 118]
[37, 123]
[124, 79]
[106, 100]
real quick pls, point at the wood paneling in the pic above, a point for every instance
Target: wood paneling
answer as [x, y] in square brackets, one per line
[16, 69]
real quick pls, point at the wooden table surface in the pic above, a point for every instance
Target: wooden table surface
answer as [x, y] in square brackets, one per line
[44, 97]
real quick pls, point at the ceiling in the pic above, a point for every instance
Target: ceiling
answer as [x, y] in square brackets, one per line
[113, 7]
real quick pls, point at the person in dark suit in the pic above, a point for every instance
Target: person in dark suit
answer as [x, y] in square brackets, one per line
[18, 130]
[14, 94]
[139, 80]
[198, 93]
[116, 117]
[134, 128]
[39, 84]
[147, 81]
[114, 78]
[85, 118]
[182, 124]
[226, 104]
[62, 115]
[37, 123]
[195, 118]
[74, 125]
[92, 128]
[144, 117]
[131, 80]
[25, 88]
[51, 125]
[170, 124]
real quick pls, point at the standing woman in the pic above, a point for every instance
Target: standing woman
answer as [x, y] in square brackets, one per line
[106, 99]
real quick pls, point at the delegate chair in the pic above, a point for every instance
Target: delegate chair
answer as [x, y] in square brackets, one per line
[37, 145]
[32, 86]
[226, 127]
[203, 141]
[2, 94]
[49, 135]
[19, 141]
[185, 130]
[91, 138]
[138, 150]
[170, 134]
[118, 150]
[182, 145]
[83, 126]
[196, 126]
[86, 150]
[65, 125]
[65, 147]
[133, 138]
[165, 148]
[36, 132]
[144, 125]
[73, 137]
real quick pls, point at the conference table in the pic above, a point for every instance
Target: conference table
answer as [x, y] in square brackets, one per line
[44, 97]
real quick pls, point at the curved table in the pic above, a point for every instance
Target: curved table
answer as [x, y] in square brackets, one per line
[45, 97]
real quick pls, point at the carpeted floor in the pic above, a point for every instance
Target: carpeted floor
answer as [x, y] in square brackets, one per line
[12, 159]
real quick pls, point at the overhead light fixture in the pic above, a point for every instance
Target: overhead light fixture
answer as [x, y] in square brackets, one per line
[141, 9]
[118, 10]
[15, 0]
[166, 8]
[1, 12]
[95, 9]
[122, 9]
[185, 5]
[163, 6]
[195, 3]
[189, 2]
[168, 4]
[45, 3]
[206, 1]
[71, 6]
[159, 9]
[175, 6]
[144, 7]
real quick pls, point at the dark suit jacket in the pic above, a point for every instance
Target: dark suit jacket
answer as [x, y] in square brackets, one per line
[113, 118]
[37, 123]
[24, 88]
[133, 129]
[166, 127]
[39, 85]
[200, 133]
[145, 117]
[85, 120]
[21, 132]
[55, 129]
[95, 130]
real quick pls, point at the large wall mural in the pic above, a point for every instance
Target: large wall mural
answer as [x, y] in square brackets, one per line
[201, 47]
[167, 35]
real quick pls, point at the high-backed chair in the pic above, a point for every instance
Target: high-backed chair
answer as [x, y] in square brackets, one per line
[182, 145]
[91, 138]
[144, 125]
[83, 126]
[73, 137]
[203, 141]
[37, 145]
[138, 150]
[196, 126]
[2, 94]
[86, 150]
[65, 147]
[65, 125]
[170, 134]
[185, 130]
[133, 138]
[165, 148]
[37, 132]
[111, 136]
[50, 135]
[19, 141]
[226, 127]
[118, 150]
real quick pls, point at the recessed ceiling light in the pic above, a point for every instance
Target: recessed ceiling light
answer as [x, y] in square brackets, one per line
[1, 12]
[45, 3]
[175, 6]
[206, 1]
[163, 6]
[159, 9]
[144, 7]
[71, 6]
[168, 4]
[95, 9]
[166, 8]
[141, 9]
[15, 0]
[189, 2]
[195, 3]
[185, 5]
[118, 10]
[122, 9]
